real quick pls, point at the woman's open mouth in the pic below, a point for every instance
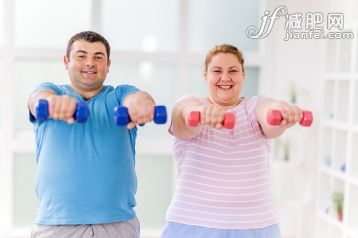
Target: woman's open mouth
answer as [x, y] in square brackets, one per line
[225, 87]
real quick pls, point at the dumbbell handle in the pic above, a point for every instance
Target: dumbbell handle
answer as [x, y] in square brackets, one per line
[121, 115]
[81, 114]
[274, 118]
[228, 122]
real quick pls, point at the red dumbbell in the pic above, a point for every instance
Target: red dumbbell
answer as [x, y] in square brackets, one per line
[228, 122]
[274, 118]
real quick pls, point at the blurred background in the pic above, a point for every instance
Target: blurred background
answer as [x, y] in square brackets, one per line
[159, 46]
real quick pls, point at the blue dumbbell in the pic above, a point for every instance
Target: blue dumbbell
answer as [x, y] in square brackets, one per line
[81, 115]
[121, 116]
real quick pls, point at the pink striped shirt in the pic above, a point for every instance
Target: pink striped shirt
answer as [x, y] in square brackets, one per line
[223, 176]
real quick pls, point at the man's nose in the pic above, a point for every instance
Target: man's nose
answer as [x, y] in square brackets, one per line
[89, 62]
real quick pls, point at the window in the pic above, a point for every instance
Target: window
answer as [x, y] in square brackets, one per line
[24, 199]
[141, 25]
[49, 23]
[158, 79]
[214, 22]
[28, 74]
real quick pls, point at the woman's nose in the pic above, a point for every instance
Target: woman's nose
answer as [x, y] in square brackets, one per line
[225, 77]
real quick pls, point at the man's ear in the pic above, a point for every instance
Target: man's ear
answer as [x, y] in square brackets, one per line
[65, 61]
[108, 64]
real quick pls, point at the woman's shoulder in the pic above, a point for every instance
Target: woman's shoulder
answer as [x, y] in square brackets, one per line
[247, 103]
[190, 97]
[253, 100]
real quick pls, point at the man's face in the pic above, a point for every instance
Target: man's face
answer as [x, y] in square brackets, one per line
[87, 65]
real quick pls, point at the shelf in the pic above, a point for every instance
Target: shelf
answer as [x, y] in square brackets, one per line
[352, 233]
[324, 194]
[329, 93]
[340, 151]
[338, 163]
[342, 107]
[334, 124]
[353, 181]
[323, 228]
[355, 112]
[335, 174]
[330, 220]
[331, 56]
[329, 227]
[352, 216]
[344, 55]
[336, 233]
[353, 171]
[327, 139]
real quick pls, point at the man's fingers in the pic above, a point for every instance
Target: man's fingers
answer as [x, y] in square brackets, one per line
[131, 125]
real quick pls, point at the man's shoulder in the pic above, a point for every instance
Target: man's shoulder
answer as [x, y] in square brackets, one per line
[50, 86]
[124, 89]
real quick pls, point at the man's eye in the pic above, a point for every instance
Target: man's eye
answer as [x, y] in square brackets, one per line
[216, 71]
[81, 56]
[99, 57]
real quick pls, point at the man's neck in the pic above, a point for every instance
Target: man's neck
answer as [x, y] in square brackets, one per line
[87, 94]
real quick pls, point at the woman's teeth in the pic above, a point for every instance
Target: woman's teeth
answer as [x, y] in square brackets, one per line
[225, 86]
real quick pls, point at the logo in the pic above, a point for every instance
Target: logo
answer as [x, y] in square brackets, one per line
[302, 26]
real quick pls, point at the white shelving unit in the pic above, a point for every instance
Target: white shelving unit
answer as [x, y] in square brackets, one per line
[338, 160]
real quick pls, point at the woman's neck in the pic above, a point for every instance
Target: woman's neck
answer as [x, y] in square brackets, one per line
[225, 106]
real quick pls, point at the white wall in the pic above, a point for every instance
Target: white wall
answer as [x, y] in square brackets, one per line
[300, 63]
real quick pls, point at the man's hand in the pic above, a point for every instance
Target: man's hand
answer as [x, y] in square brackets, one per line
[62, 107]
[140, 108]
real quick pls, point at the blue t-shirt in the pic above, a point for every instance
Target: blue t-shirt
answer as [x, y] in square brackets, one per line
[86, 171]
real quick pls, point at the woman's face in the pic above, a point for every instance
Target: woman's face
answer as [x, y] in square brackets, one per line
[224, 76]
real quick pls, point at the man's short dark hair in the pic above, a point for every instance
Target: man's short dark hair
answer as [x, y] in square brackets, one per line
[88, 36]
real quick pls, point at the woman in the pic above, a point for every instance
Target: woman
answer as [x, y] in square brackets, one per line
[223, 186]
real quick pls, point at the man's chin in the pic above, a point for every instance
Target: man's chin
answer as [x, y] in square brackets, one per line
[91, 87]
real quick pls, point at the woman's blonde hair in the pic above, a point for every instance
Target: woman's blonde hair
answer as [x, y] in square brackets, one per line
[224, 48]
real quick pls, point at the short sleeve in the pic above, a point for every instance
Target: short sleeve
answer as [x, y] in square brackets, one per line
[123, 91]
[250, 108]
[48, 85]
[44, 86]
[178, 101]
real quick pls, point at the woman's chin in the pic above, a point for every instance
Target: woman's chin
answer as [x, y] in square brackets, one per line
[226, 102]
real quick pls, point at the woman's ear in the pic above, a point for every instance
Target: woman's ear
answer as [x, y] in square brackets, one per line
[205, 74]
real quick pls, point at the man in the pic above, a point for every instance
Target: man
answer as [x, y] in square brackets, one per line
[86, 180]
